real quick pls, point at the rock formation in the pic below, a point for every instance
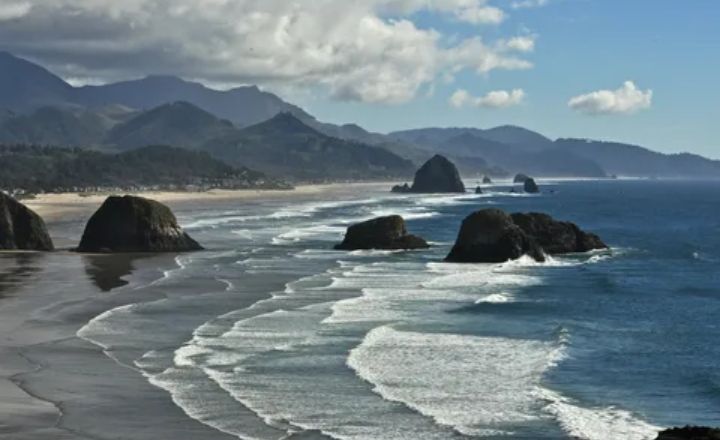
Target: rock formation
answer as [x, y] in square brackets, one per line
[478, 190]
[438, 175]
[690, 433]
[487, 180]
[556, 237]
[381, 233]
[134, 224]
[530, 186]
[21, 228]
[520, 178]
[492, 236]
[401, 188]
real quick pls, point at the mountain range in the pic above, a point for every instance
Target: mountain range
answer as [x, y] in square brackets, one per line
[246, 126]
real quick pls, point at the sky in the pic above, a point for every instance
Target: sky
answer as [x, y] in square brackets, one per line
[637, 71]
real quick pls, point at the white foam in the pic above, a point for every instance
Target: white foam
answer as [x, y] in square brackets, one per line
[475, 384]
[497, 298]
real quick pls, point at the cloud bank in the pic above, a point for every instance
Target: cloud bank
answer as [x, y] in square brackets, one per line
[495, 99]
[628, 99]
[369, 51]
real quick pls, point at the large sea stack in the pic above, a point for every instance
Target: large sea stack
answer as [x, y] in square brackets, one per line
[134, 224]
[690, 433]
[388, 233]
[21, 228]
[438, 175]
[530, 186]
[492, 236]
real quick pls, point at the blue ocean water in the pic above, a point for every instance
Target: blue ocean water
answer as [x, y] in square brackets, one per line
[271, 333]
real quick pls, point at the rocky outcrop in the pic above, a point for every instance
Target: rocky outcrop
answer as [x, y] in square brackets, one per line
[557, 237]
[478, 190]
[388, 233]
[438, 175]
[134, 224]
[520, 178]
[21, 228]
[492, 236]
[690, 433]
[530, 186]
[401, 188]
[487, 180]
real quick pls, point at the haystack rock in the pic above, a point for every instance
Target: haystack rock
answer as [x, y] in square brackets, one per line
[530, 186]
[134, 224]
[388, 233]
[438, 175]
[690, 433]
[21, 228]
[491, 236]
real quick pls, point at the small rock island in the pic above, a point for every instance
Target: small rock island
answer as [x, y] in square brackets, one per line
[134, 224]
[21, 228]
[437, 175]
[384, 233]
[493, 236]
[690, 433]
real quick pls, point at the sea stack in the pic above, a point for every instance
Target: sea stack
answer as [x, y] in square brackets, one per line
[21, 228]
[492, 236]
[134, 224]
[405, 188]
[478, 190]
[438, 175]
[690, 433]
[530, 186]
[388, 233]
[520, 178]
[487, 180]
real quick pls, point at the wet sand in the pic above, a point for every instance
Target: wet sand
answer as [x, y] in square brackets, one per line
[55, 385]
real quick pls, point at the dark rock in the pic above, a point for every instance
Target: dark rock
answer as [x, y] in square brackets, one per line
[438, 175]
[401, 188]
[487, 180]
[521, 178]
[21, 228]
[134, 224]
[381, 233]
[530, 186]
[478, 190]
[491, 236]
[690, 433]
[556, 237]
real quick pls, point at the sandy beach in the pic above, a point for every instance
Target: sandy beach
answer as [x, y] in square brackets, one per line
[54, 384]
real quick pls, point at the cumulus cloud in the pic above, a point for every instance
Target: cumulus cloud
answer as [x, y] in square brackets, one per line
[369, 51]
[627, 99]
[14, 10]
[494, 99]
[522, 4]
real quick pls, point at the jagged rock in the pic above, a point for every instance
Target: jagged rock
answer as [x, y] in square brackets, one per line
[520, 178]
[381, 233]
[438, 175]
[21, 228]
[690, 433]
[491, 236]
[478, 190]
[530, 186]
[134, 224]
[487, 180]
[556, 237]
[401, 188]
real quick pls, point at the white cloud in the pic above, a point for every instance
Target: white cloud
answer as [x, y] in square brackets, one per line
[522, 4]
[14, 10]
[627, 99]
[494, 99]
[369, 51]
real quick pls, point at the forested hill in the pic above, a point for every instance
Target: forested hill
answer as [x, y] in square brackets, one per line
[36, 169]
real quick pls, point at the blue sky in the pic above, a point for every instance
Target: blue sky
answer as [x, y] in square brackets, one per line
[639, 71]
[670, 47]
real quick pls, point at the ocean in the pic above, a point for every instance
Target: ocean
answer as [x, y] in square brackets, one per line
[271, 334]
